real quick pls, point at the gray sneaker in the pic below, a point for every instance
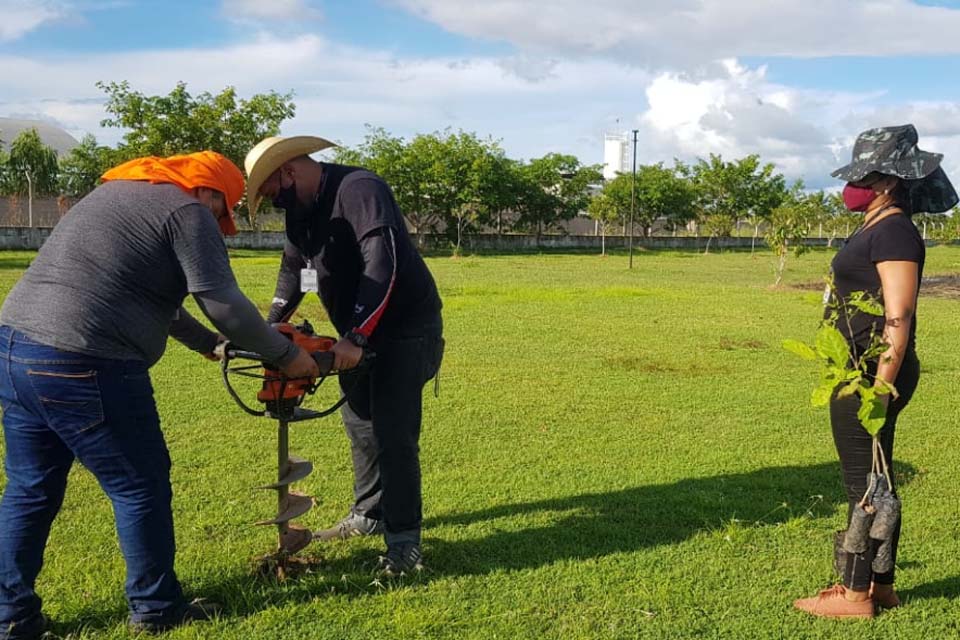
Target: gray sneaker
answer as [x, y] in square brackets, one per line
[352, 526]
[401, 559]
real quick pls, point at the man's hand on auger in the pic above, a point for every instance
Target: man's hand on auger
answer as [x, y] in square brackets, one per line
[346, 355]
[217, 354]
[304, 366]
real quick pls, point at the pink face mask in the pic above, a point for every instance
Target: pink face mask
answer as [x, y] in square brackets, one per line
[858, 198]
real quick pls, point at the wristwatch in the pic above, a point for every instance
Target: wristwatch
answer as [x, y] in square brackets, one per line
[356, 338]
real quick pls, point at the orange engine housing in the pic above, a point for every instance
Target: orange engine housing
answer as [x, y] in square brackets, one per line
[274, 390]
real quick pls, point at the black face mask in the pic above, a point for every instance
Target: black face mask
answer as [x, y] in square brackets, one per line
[286, 197]
[298, 217]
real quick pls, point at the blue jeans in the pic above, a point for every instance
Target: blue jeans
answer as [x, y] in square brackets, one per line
[59, 406]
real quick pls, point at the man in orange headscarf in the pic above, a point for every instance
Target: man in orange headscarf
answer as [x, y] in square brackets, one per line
[206, 174]
[78, 334]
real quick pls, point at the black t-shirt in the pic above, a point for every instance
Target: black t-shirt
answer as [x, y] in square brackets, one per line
[352, 206]
[855, 269]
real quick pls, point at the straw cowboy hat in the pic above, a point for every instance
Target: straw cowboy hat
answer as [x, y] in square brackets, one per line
[893, 151]
[269, 155]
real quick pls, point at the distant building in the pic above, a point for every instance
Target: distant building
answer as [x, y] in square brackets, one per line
[616, 155]
[51, 135]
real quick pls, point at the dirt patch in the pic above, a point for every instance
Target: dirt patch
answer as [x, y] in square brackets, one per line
[939, 286]
[944, 286]
[641, 364]
[732, 344]
[281, 566]
[637, 363]
[808, 286]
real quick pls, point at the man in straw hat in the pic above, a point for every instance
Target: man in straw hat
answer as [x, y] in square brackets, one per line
[79, 332]
[347, 241]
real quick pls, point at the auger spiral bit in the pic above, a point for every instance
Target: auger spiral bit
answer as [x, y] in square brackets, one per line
[282, 398]
[290, 504]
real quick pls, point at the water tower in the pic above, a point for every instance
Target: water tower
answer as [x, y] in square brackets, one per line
[616, 155]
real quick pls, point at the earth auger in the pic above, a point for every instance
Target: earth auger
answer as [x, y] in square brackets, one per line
[282, 398]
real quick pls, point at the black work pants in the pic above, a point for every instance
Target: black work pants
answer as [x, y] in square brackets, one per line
[382, 418]
[855, 448]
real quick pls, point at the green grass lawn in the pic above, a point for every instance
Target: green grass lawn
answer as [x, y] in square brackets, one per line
[614, 454]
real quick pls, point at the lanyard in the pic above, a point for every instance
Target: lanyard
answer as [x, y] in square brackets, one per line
[863, 227]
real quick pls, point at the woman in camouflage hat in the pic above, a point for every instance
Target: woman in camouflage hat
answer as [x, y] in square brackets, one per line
[889, 179]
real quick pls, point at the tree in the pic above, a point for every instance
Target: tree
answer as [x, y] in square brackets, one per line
[469, 171]
[617, 191]
[938, 226]
[80, 170]
[31, 169]
[942, 227]
[553, 189]
[765, 191]
[379, 152]
[660, 193]
[181, 123]
[727, 191]
[603, 209]
[5, 186]
[442, 164]
[390, 157]
[31, 165]
[442, 180]
[496, 179]
[790, 224]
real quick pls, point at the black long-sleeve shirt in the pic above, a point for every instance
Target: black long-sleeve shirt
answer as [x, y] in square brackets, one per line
[371, 278]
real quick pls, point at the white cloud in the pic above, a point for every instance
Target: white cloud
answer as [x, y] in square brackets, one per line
[269, 10]
[663, 33]
[340, 88]
[735, 114]
[805, 133]
[535, 104]
[20, 17]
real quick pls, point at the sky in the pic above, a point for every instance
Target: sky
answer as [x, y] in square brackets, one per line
[791, 81]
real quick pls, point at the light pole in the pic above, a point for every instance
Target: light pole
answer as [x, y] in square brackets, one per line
[633, 196]
[29, 199]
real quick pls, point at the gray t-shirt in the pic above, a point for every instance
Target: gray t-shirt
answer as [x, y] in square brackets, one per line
[110, 278]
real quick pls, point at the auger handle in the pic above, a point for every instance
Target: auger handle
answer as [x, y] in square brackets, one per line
[324, 360]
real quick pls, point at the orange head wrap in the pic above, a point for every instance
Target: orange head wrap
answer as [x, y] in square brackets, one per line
[202, 169]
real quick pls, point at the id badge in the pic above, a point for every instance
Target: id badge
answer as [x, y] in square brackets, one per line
[308, 280]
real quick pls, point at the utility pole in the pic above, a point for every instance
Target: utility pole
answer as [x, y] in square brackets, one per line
[633, 196]
[29, 199]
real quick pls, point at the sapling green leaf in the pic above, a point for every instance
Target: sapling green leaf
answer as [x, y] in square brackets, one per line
[862, 301]
[872, 413]
[844, 370]
[849, 389]
[852, 374]
[832, 346]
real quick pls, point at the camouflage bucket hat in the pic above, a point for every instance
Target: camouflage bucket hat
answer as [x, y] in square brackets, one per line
[893, 151]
